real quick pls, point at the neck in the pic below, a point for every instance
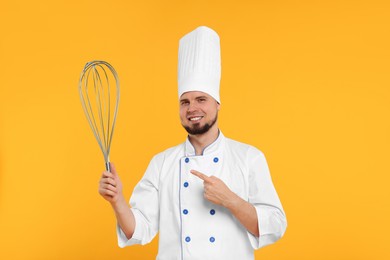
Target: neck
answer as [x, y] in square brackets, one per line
[201, 141]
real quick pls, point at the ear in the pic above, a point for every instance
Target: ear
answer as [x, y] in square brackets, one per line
[218, 106]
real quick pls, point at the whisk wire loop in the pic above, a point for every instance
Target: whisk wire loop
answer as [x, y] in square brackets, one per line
[95, 81]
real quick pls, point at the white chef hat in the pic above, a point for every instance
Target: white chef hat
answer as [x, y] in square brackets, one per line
[200, 62]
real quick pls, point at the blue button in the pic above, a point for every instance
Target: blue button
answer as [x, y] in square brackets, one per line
[212, 212]
[212, 239]
[188, 239]
[185, 184]
[216, 159]
[187, 160]
[185, 212]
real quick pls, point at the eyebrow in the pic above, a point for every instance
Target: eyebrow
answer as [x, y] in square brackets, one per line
[186, 99]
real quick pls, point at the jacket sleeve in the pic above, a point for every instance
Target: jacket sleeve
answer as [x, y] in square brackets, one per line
[145, 207]
[271, 218]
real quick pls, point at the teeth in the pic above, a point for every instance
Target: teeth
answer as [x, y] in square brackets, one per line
[195, 118]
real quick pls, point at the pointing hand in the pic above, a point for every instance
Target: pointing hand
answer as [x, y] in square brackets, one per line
[215, 190]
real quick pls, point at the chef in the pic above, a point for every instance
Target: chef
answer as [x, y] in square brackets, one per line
[210, 197]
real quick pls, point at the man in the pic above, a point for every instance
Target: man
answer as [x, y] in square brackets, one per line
[210, 197]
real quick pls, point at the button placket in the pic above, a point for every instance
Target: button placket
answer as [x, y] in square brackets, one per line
[216, 161]
[185, 202]
[209, 164]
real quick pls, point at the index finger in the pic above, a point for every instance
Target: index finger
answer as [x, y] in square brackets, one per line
[200, 175]
[107, 174]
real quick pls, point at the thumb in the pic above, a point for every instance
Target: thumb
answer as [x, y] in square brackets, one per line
[113, 169]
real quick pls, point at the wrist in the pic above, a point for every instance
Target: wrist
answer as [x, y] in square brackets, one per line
[120, 204]
[233, 203]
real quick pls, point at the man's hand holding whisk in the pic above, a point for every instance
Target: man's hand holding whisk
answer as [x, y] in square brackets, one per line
[110, 186]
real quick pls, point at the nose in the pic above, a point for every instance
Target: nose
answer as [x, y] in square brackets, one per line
[192, 107]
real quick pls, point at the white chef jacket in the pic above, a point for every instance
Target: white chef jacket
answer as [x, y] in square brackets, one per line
[169, 199]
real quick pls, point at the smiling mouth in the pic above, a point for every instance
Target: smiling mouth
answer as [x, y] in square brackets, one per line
[195, 118]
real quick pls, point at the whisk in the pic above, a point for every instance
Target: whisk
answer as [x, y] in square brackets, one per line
[100, 102]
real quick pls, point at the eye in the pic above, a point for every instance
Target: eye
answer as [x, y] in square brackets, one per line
[184, 102]
[202, 99]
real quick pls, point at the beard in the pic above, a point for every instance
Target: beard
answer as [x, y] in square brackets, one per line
[196, 129]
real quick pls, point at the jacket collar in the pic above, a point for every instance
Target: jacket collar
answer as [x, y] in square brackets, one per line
[210, 149]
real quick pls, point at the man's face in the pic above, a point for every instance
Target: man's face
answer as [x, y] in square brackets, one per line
[198, 112]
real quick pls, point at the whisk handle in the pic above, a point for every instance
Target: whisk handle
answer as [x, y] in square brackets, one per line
[108, 166]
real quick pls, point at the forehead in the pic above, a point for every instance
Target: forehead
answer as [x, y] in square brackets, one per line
[194, 94]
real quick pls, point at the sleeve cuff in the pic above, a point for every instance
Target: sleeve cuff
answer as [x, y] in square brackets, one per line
[134, 240]
[272, 225]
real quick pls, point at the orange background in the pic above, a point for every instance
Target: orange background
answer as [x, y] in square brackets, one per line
[307, 82]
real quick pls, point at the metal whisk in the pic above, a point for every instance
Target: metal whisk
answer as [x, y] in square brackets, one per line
[100, 102]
